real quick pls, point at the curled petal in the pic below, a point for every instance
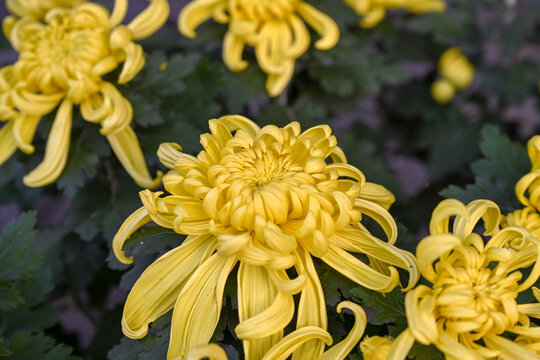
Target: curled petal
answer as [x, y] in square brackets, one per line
[276, 83]
[24, 128]
[442, 213]
[209, 351]
[373, 17]
[56, 151]
[420, 306]
[233, 47]
[359, 272]
[34, 104]
[235, 122]
[283, 349]
[524, 184]
[128, 151]
[450, 346]
[119, 12]
[130, 225]
[381, 216]
[168, 153]
[122, 112]
[344, 347]
[377, 194]
[478, 209]
[194, 14]
[265, 323]
[150, 20]
[198, 306]
[8, 145]
[430, 249]
[533, 148]
[323, 25]
[256, 293]
[133, 64]
[159, 286]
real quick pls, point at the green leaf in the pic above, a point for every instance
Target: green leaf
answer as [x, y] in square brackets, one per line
[26, 346]
[389, 308]
[496, 175]
[423, 352]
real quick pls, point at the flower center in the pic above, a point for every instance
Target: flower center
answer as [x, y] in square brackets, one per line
[64, 50]
[475, 299]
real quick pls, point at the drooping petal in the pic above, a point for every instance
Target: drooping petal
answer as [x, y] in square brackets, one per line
[210, 352]
[122, 111]
[198, 306]
[119, 12]
[344, 347]
[168, 153]
[150, 20]
[311, 310]
[295, 339]
[194, 14]
[56, 151]
[430, 249]
[381, 216]
[133, 64]
[233, 47]
[127, 149]
[159, 286]
[359, 272]
[256, 293]
[401, 346]
[419, 306]
[24, 128]
[131, 224]
[35, 104]
[323, 25]
[8, 145]
[378, 194]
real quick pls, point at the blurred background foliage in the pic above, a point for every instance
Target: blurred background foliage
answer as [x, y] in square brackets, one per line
[373, 88]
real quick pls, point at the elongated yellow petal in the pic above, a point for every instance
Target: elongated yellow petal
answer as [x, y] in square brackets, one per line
[56, 151]
[33, 104]
[276, 83]
[130, 225]
[442, 213]
[233, 47]
[159, 286]
[292, 341]
[378, 194]
[8, 145]
[199, 305]
[122, 111]
[420, 305]
[373, 17]
[401, 346]
[119, 12]
[24, 128]
[194, 14]
[235, 122]
[210, 352]
[265, 323]
[311, 311]
[168, 153]
[344, 347]
[150, 20]
[133, 64]
[256, 293]
[508, 348]
[323, 25]
[478, 209]
[430, 249]
[356, 240]
[359, 272]
[127, 149]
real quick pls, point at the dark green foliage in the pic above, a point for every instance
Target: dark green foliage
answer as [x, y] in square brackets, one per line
[25, 285]
[496, 174]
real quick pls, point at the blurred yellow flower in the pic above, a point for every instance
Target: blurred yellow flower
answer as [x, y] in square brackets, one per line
[275, 28]
[62, 58]
[268, 200]
[374, 11]
[473, 299]
[528, 193]
[376, 347]
[37, 8]
[457, 74]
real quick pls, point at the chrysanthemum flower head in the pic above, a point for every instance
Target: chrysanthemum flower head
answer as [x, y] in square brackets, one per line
[528, 193]
[374, 11]
[269, 199]
[457, 74]
[275, 28]
[62, 58]
[472, 302]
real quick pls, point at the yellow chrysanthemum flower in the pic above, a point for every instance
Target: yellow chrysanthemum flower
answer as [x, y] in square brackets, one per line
[475, 284]
[275, 28]
[268, 200]
[528, 193]
[376, 347]
[374, 11]
[457, 74]
[61, 62]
